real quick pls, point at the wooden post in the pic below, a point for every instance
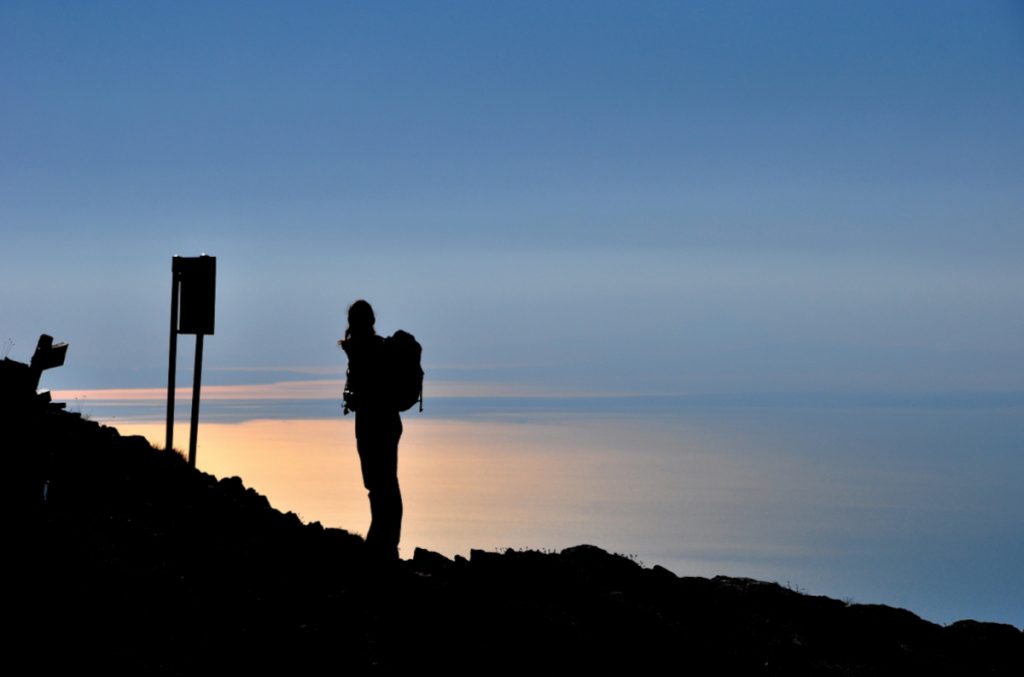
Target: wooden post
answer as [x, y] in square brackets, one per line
[173, 353]
[197, 374]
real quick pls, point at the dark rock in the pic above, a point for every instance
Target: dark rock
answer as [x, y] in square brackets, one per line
[429, 562]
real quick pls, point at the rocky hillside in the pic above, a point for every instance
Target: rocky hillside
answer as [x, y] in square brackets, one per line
[125, 560]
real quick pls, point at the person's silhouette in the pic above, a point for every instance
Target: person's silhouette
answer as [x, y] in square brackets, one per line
[378, 428]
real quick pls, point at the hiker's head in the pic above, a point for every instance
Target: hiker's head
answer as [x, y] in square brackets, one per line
[360, 319]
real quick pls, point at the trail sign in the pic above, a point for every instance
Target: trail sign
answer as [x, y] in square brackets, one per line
[193, 294]
[197, 276]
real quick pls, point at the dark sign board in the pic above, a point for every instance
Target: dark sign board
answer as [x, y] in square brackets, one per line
[49, 354]
[198, 278]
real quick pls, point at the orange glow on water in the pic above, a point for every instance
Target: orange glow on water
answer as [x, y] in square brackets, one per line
[465, 484]
[678, 494]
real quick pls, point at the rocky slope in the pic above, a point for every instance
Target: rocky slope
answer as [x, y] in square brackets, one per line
[125, 560]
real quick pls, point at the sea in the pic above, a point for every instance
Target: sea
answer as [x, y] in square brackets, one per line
[911, 501]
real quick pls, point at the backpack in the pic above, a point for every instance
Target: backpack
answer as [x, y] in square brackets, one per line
[406, 375]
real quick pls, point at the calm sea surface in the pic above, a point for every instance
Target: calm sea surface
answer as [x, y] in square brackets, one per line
[911, 502]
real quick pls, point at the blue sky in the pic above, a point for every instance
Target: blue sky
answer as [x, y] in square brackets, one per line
[618, 197]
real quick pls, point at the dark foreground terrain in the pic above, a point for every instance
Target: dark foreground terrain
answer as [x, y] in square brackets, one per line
[123, 560]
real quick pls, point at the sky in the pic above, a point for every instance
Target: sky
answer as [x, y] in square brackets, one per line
[617, 197]
[690, 199]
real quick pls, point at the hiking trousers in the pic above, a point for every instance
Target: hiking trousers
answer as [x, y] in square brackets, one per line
[377, 435]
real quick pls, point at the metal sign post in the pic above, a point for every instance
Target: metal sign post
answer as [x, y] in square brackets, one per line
[193, 292]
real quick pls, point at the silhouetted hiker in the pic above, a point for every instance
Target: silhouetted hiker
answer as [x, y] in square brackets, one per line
[378, 428]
